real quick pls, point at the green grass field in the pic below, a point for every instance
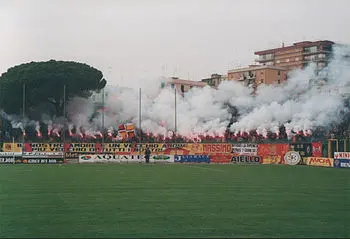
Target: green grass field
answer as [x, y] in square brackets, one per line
[133, 200]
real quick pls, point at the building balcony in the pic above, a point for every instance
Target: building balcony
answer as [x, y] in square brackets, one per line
[305, 53]
[261, 60]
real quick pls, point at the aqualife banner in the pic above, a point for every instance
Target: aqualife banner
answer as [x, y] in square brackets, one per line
[110, 158]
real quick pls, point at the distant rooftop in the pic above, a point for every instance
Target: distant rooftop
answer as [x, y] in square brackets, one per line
[256, 67]
[297, 44]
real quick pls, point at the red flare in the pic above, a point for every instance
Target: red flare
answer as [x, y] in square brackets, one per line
[70, 133]
[110, 134]
[24, 133]
[101, 135]
[81, 135]
[39, 134]
[49, 133]
[58, 134]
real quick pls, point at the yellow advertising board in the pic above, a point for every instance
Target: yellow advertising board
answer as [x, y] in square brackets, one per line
[117, 147]
[321, 162]
[12, 147]
[43, 147]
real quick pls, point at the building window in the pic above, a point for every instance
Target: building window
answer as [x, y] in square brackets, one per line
[172, 86]
[163, 85]
[279, 81]
[287, 60]
[182, 88]
[296, 58]
[262, 73]
[262, 81]
[278, 61]
[278, 73]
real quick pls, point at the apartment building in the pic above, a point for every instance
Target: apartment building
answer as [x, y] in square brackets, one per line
[297, 56]
[182, 86]
[254, 75]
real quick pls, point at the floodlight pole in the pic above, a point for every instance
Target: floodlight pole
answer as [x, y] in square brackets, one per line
[140, 130]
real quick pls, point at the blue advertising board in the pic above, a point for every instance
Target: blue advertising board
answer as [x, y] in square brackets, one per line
[342, 163]
[192, 159]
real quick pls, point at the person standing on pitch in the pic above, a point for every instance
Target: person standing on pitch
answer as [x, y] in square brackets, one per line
[147, 154]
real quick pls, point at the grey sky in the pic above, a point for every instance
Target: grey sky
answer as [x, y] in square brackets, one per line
[136, 38]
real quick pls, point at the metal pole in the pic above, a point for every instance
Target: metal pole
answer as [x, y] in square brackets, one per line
[23, 112]
[64, 114]
[140, 130]
[103, 118]
[175, 115]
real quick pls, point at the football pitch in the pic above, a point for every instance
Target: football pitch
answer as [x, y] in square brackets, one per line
[178, 200]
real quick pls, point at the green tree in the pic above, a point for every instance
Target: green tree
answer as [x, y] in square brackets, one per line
[44, 83]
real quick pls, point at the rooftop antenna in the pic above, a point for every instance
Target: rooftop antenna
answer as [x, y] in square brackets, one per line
[282, 44]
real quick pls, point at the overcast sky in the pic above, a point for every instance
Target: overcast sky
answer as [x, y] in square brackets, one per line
[130, 39]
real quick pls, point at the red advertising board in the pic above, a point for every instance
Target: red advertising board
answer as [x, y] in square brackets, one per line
[273, 153]
[217, 148]
[316, 149]
[220, 158]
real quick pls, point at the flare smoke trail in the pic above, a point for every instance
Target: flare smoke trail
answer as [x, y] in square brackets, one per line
[305, 102]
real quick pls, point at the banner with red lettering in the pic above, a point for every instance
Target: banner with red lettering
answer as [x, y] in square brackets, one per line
[220, 158]
[217, 148]
[318, 161]
[316, 149]
[272, 153]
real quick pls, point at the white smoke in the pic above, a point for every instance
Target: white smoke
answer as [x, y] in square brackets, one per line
[303, 103]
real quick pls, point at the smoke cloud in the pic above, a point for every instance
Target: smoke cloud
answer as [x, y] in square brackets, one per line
[306, 101]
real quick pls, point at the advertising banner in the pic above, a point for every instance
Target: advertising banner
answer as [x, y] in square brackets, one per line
[39, 161]
[246, 159]
[154, 147]
[245, 149]
[273, 159]
[292, 158]
[342, 163]
[162, 159]
[220, 158]
[316, 149]
[80, 148]
[183, 149]
[216, 148]
[110, 158]
[342, 155]
[9, 157]
[305, 149]
[272, 153]
[71, 155]
[318, 161]
[117, 148]
[12, 147]
[42, 155]
[192, 159]
[342, 159]
[42, 147]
